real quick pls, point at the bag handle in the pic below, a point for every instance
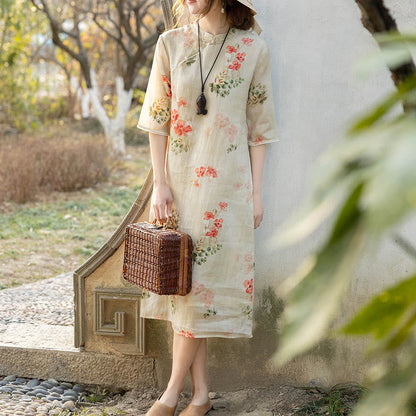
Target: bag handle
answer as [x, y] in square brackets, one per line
[169, 223]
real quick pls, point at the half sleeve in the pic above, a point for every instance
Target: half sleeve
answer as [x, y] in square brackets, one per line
[261, 121]
[156, 110]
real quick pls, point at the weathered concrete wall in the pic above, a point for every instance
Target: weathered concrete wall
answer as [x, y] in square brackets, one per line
[315, 46]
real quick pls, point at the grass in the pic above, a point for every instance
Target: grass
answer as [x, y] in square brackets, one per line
[339, 400]
[59, 231]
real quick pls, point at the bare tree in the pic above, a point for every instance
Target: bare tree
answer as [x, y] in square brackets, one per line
[377, 18]
[134, 26]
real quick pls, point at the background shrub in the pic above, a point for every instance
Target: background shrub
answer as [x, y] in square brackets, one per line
[29, 165]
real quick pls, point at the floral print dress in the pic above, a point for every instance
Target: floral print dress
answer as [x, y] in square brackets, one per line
[208, 170]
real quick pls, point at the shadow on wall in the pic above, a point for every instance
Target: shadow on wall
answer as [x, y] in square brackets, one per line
[247, 355]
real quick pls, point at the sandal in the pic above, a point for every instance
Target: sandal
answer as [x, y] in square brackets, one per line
[160, 409]
[196, 410]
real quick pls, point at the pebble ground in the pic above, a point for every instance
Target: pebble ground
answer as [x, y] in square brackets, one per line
[48, 301]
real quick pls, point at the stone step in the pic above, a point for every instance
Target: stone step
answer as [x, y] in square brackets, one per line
[114, 372]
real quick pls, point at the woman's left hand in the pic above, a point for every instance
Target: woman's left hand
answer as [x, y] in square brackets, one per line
[257, 209]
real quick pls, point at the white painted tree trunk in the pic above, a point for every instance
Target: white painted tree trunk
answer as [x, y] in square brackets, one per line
[83, 97]
[113, 127]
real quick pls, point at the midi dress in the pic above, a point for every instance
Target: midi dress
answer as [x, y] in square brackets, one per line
[208, 170]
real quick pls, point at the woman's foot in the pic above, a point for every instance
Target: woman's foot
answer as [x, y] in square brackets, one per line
[160, 409]
[200, 396]
[170, 396]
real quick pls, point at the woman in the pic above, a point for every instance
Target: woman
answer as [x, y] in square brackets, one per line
[210, 91]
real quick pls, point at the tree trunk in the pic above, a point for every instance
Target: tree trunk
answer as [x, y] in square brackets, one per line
[376, 18]
[113, 128]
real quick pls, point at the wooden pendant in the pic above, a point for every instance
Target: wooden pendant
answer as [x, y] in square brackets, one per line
[201, 102]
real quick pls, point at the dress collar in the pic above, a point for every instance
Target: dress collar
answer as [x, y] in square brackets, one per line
[209, 37]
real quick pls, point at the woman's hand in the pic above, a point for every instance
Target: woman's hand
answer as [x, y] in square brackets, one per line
[162, 201]
[257, 209]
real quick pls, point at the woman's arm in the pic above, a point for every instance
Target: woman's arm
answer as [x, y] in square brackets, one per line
[162, 195]
[257, 155]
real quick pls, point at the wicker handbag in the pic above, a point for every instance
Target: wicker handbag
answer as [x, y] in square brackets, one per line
[158, 258]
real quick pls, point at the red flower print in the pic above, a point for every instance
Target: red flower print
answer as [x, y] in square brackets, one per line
[231, 132]
[175, 116]
[248, 257]
[218, 222]
[186, 334]
[237, 185]
[208, 215]
[196, 183]
[235, 66]
[181, 102]
[221, 121]
[248, 268]
[197, 288]
[166, 81]
[248, 284]
[247, 41]
[207, 297]
[231, 49]
[223, 205]
[181, 128]
[213, 232]
[259, 139]
[200, 171]
[241, 56]
[211, 172]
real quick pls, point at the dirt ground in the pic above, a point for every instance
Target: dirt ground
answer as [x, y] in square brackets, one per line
[281, 400]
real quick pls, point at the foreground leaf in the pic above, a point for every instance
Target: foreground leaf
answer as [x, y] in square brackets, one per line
[389, 315]
[394, 394]
[316, 294]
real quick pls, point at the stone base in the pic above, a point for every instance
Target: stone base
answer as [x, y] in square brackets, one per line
[106, 370]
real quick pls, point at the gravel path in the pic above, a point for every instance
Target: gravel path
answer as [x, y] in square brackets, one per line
[49, 301]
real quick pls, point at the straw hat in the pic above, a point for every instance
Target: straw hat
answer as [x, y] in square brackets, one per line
[249, 4]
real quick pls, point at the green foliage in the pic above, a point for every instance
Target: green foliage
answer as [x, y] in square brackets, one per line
[389, 316]
[18, 85]
[367, 182]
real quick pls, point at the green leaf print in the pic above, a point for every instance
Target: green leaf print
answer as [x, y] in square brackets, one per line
[160, 110]
[172, 303]
[257, 94]
[223, 84]
[191, 60]
[177, 145]
[210, 312]
[248, 310]
[231, 147]
[144, 294]
[200, 256]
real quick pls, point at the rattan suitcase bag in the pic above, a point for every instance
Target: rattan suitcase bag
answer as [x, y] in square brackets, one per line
[158, 258]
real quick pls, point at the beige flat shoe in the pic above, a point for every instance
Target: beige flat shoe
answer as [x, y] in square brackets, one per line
[160, 409]
[194, 410]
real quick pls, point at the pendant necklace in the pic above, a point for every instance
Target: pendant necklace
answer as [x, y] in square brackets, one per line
[201, 102]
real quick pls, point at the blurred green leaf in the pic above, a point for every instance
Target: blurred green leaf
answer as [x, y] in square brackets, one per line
[393, 394]
[385, 311]
[392, 37]
[317, 291]
[392, 55]
[391, 186]
[405, 92]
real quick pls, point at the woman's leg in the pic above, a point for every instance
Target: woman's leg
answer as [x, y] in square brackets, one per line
[183, 354]
[199, 375]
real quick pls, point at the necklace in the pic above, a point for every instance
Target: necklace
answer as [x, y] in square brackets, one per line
[201, 101]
